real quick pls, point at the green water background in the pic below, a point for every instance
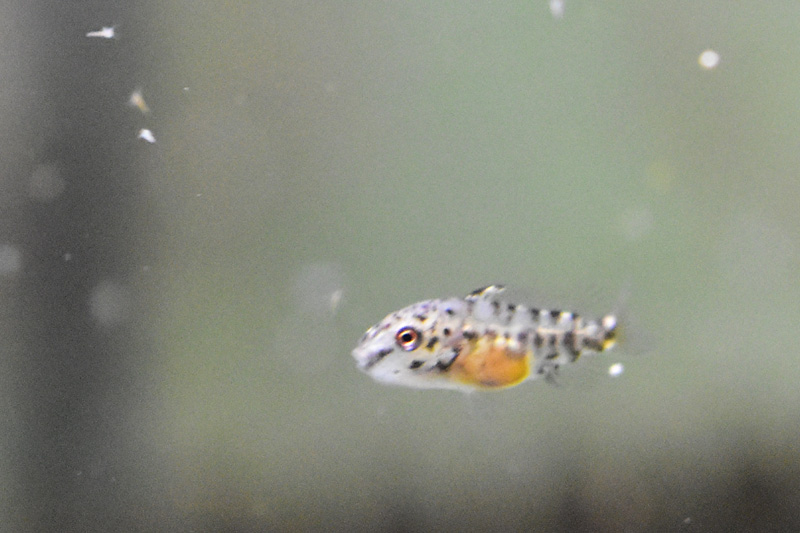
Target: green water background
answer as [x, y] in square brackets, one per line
[319, 165]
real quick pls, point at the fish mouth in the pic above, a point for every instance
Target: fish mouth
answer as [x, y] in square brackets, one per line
[366, 360]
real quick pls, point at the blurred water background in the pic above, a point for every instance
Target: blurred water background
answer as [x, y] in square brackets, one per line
[177, 317]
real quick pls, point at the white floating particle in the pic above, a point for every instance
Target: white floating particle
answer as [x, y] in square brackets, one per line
[336, 299]
[318, 288]
[615, 370]
[557, 8]
[137, 100]
[106, 32]
[708, 59]
[147, 135]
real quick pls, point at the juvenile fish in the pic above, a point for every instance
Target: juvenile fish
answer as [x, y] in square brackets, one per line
[478, 342]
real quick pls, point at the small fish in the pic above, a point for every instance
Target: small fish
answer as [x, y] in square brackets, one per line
[478, 342]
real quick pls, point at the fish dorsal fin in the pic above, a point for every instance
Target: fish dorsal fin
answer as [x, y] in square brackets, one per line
[485, 293]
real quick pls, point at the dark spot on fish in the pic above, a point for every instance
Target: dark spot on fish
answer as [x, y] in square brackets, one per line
[449, 311]
[478, 292]
[432, 342]
[377, 356]
[446, 332]
[538, 340]
[496, 306]
[569, 342]
[416, 363]
[469, 335]
[512, 307]
[445, 365]
[421, 317]
[554, 313]
[592, 344]
[523, 337]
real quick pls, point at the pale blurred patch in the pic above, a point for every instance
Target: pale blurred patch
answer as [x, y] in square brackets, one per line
[110, 303]
[557, 8]
[318, 289]
[636, 222]
[757, 253]
[10, 259]
[307, 334]
[46, 183]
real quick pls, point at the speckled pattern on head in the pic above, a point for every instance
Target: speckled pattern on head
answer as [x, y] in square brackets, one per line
[477, 342]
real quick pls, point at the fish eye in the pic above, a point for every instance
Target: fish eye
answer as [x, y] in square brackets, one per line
[408, 338]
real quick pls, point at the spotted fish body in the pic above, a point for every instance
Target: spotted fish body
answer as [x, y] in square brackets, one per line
[477, 342]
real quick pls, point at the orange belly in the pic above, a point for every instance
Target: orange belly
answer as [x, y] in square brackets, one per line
[483, 364]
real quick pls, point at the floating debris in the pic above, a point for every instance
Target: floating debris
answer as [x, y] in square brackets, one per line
[616, 370]
[137, 100]
[147, 135]
[106, 32]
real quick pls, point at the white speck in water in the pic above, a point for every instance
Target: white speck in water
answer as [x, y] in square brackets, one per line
[317, 290]
[557, 8]
[709, 59]
[106, 32]
[46, 183]
[109, 303]
[10, 259]
[67, 256]
[147, 135]
[336, 298]
[137, 100]
[316, 287]
[616, 370]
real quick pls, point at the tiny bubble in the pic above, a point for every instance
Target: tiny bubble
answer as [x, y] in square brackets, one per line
[709, 59]
[616, 370]
[557, 8]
